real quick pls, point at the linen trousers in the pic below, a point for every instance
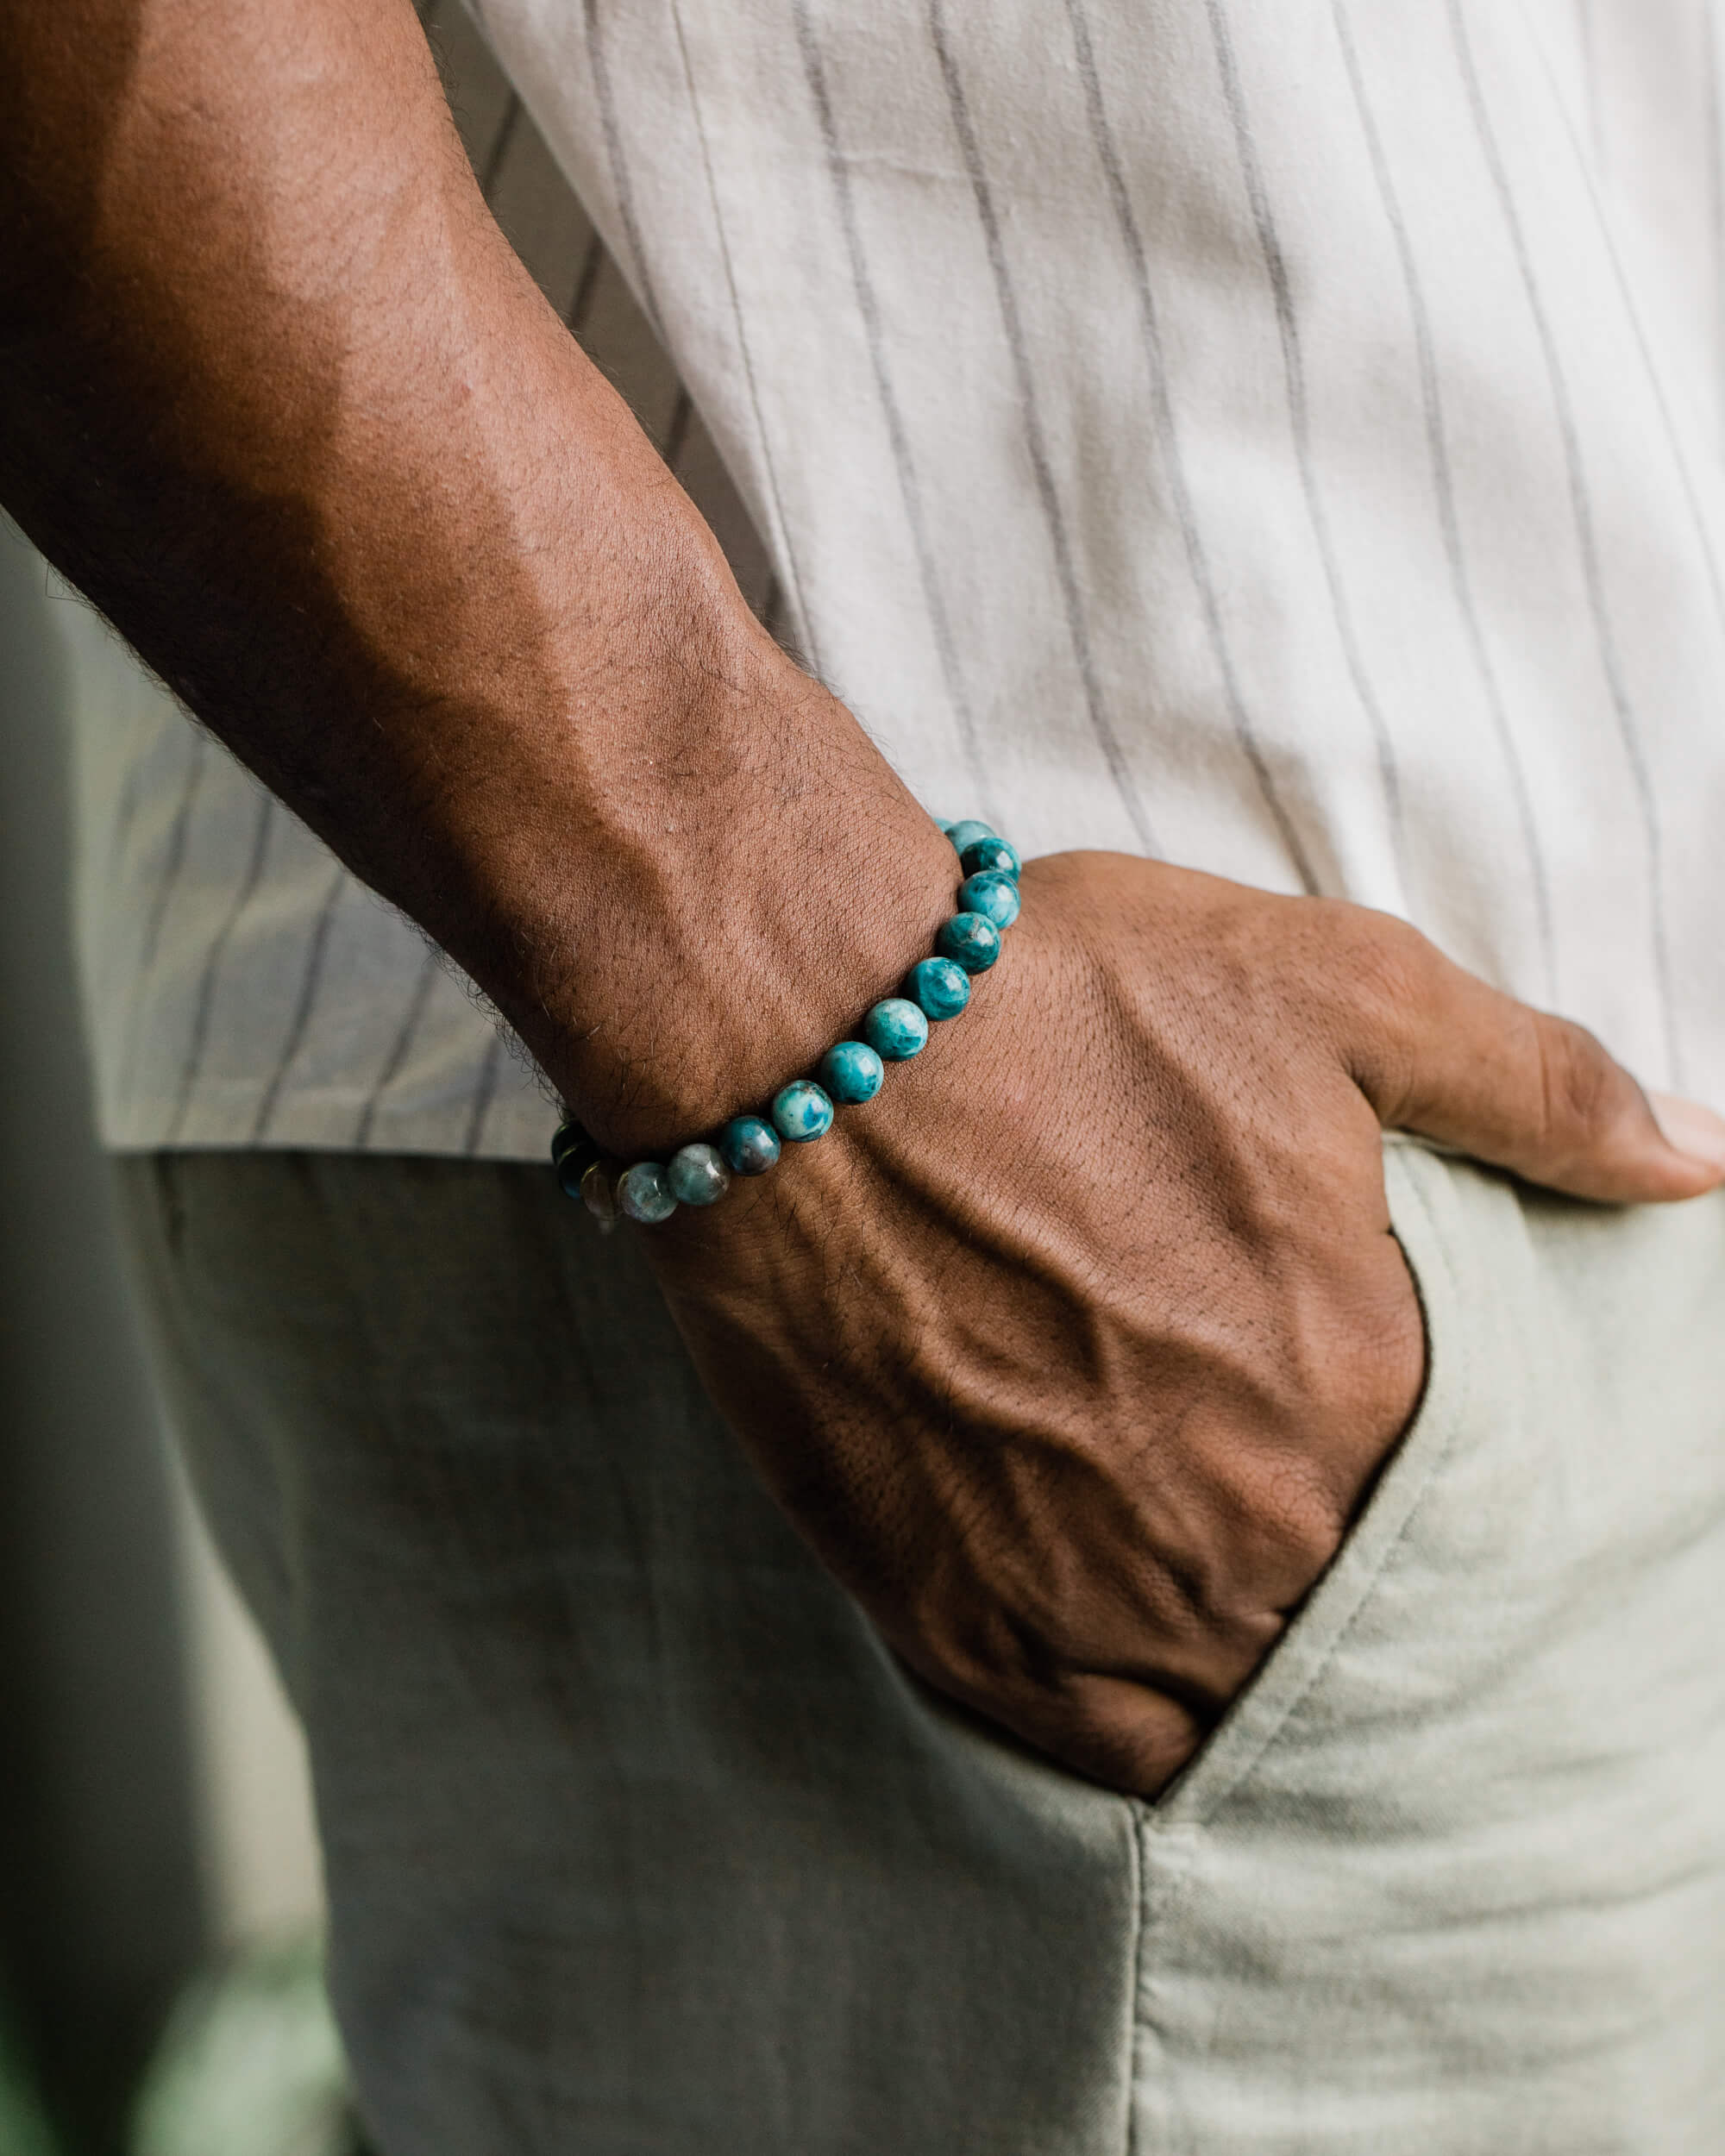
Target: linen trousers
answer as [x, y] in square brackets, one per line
[640, 1844]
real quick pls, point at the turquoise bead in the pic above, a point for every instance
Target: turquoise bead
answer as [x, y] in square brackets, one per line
[937, 987]
[970, 940]
[994, 895]
[990, 856]
[802, 1112]
[750, 1144]
[852, 1072]
[644, 1194]
[966, 832]
[698, 1175]
[896, 1029]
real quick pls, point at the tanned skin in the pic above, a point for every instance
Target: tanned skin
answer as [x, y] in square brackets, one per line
[1073, 1354]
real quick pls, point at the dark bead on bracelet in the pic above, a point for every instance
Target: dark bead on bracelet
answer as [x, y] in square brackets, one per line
[970, 940]
[750, 1144]
[937, 987]
[990, 856]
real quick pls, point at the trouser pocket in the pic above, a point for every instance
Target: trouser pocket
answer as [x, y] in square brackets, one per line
[1450, 1874]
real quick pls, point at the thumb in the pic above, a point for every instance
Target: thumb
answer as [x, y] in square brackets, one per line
[1455, 1060]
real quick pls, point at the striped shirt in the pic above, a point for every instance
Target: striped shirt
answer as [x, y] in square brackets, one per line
[1282, 440]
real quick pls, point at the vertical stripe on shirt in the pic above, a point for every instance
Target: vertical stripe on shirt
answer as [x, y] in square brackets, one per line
[1173, 456]
[1449, 521]
[484, 1093]
[396, 1060]
[173, 855]
[1586, 538]
[622, 187]
[310, 981]
[910, 490]
[1590, 78]
[1042, 469]
[173, 867]
[769, 467]
[1294, 373]
[1632, 314]
[192, 1069]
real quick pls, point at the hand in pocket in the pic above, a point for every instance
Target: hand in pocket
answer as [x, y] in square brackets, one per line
[1073, 1354]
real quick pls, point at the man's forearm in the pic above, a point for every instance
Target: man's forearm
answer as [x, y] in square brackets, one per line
[275, 392]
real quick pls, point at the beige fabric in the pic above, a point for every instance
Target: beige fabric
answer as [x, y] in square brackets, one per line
[639, 1844]
[1281, 437]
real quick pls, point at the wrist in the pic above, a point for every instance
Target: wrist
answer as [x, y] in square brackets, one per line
[746, 878]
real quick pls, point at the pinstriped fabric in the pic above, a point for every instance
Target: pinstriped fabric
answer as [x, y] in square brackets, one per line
[623, 190]
[211, 974]
[1048, 494]
[1294, 370]
[781, 529]
[903, 463]
[1285, 438]
[1599, 610]
[1443, 483]
[316, 953]
[1631, 311]
[1167, 430]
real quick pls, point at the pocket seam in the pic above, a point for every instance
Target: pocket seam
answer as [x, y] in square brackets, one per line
[1238, 1746]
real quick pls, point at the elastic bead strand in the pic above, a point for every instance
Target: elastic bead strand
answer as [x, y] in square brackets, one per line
[750, 1144]
[968, 831]
[970, 940]
[644, 1194]
[698, 1175]
[992, 894]
[990, 856]
[937, 987]
[896, 1029]
[802, 1112]
[851, 1071]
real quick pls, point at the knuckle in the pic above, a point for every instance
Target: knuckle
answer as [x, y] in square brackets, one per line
[1582, 1091]
[1391, 965]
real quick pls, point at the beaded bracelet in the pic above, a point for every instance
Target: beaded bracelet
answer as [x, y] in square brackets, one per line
[849, 1073]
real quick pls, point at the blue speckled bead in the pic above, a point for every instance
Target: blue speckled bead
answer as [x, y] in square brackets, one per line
[990, 856]
[937, 987]
[896, 1029]
[750, 1144]
[994, 895]
[644, 1194]
[966, 832]
[970, 940]
[802, 1112]
[852, 1072]
[698, 1175]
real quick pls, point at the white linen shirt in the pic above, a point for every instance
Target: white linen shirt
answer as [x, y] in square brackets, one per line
[1281, 439]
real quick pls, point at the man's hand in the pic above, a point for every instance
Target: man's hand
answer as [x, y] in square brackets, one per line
[1074, 1352]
